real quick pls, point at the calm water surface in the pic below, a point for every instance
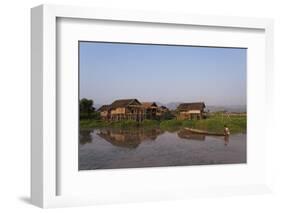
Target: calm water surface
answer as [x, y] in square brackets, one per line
[119, 148]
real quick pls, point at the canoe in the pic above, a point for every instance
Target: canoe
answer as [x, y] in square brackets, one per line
[198, 131]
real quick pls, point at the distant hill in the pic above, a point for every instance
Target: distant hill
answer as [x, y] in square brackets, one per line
[229, 108]
[97, 106]
[173, 105]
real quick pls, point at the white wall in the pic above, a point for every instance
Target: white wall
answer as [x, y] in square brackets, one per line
[15, 98]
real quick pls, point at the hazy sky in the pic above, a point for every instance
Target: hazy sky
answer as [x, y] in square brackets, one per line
[162, 73]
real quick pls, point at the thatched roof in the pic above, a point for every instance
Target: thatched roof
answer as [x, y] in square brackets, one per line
[164, 108]
[149, 104]
[104, 108]
[124, 103]
[191, 106]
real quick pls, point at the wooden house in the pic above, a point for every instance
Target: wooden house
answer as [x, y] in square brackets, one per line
[161, 110]
[126, 109]
[104, 112]
[191, 111]
[150, 110]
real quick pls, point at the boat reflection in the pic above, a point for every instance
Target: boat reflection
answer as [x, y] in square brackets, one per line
[185, 134]
[190, 136]
[129, 138]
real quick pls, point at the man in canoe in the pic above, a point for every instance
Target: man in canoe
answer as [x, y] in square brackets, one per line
[226, 131]
[226, 135]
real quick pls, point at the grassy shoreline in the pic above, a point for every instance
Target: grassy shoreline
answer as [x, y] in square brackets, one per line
[236, 124]
[86, 124]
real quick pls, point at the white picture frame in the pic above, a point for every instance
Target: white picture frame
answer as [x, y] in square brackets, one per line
[44, 149]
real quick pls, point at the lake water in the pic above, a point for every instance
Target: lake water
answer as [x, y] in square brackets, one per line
[137, 148]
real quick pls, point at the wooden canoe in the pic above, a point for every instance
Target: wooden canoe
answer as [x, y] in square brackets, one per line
[198, 131]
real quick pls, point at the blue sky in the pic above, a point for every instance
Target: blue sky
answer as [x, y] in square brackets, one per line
[162, 73]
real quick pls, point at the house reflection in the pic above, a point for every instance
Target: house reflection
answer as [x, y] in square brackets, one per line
[129, 138]
[190, 136]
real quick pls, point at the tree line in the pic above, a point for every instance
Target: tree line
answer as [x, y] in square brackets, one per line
[87, 110]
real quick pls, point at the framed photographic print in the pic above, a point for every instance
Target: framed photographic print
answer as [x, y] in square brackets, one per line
[149, 106]
[167, 105]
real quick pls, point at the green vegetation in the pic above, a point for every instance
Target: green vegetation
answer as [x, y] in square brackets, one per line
[236, 124]
[88, 116]
[86, 109]
[169, 115]
[214, 123]
[125, 124]
[91, 123]
[150, 123]
[171, 125]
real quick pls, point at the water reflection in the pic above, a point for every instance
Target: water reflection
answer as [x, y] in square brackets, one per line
[185, 134]
[85, 136]
[190, 136]
[111, 148]
[226, 140]
[130, 138]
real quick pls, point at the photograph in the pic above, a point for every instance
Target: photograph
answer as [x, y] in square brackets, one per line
[161, 105]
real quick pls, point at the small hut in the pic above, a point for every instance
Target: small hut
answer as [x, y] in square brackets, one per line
[161, 110]
[126, 109]
[150, 110]
[104, 112]
[191, 111]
